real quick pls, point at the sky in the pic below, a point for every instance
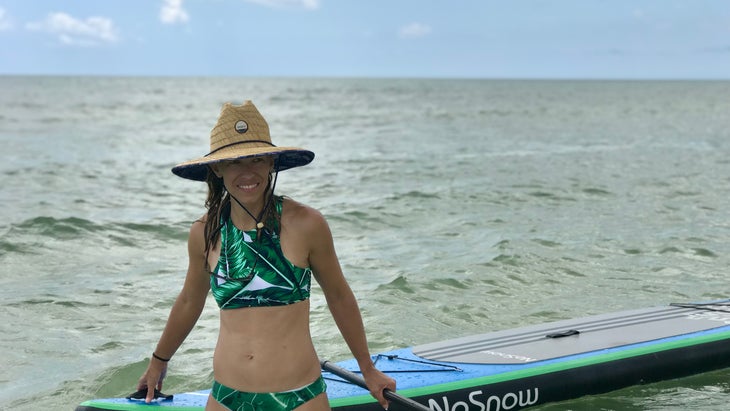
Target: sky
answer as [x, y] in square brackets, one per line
[568, 39]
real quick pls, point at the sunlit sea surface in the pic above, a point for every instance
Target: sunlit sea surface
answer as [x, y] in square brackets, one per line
[458, 207]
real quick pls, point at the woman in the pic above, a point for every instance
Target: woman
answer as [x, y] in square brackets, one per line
[257, 253]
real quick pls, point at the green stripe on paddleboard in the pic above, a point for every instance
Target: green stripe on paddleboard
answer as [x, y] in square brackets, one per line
[133, 406]
[540, 370]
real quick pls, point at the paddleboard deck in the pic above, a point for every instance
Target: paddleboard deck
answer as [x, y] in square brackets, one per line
[522, 367]
[562, 338]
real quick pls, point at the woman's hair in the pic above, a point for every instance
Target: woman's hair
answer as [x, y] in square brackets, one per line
[218, 200]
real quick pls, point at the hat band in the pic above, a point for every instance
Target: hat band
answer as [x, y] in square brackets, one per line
[240, 142]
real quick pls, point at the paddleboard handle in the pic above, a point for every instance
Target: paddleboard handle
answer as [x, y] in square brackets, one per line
[562, 334]
[350, 376]
[142, 394]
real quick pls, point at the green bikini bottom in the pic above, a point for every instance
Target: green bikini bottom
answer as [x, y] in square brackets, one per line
[236, 400]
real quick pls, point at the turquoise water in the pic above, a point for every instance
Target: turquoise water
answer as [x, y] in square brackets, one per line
[457, 206]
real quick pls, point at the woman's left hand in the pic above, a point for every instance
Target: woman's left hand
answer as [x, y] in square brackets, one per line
[377, 382]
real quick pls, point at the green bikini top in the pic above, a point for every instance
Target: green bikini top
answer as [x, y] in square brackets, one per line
[255, 273]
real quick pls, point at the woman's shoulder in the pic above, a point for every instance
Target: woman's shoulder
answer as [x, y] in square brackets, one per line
[196, 238]
[197, 228]
[301, 216]
[200, 222]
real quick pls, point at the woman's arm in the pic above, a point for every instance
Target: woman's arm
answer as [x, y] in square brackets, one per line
[184, 313]
[342, 303]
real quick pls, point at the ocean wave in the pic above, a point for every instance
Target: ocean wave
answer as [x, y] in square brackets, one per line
[34, 235]
[74, 227]
[60, 228]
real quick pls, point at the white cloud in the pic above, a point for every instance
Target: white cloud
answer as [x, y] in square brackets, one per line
[173, 12]
[74, 32]
[414, 30]
[288, 4]
[5, 22]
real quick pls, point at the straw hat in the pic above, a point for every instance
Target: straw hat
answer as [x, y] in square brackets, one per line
[242, 132]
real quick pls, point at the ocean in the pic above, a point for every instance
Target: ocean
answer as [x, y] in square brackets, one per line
[457, 206]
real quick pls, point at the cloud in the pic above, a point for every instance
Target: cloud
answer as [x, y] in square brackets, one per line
[288, 4]
[71, 31]
[414, 30]
[173, 12]
[5, 22]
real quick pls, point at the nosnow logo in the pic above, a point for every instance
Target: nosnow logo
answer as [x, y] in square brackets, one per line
[480, 401]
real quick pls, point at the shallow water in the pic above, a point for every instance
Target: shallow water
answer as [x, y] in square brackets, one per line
[463, 206]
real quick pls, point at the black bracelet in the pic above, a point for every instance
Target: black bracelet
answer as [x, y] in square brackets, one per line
[160, 358]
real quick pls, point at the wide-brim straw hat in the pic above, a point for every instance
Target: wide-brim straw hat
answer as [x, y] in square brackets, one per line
[242, 132]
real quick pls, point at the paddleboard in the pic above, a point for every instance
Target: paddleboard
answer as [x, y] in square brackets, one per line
[522, 367]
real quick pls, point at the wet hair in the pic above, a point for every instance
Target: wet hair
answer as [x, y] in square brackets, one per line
[218, 203]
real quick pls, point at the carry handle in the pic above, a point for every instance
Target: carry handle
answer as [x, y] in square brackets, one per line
[562, 334]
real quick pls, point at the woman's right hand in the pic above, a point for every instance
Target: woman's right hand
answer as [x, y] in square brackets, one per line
[152, 378]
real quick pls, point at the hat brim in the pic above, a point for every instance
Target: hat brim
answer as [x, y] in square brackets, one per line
[284, 159]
